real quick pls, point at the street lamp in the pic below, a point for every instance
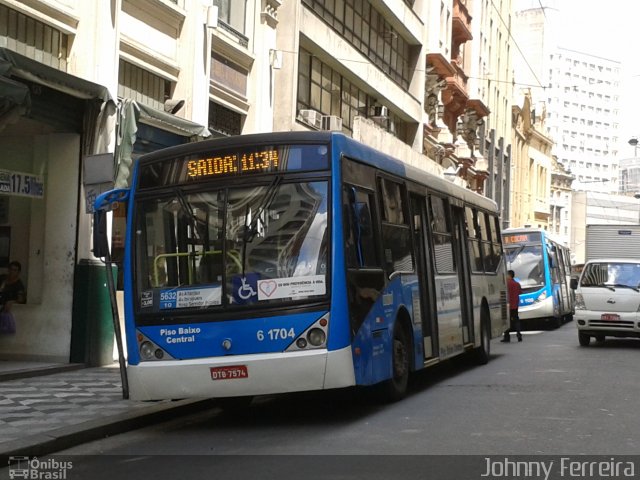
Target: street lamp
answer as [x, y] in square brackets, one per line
[634, 143]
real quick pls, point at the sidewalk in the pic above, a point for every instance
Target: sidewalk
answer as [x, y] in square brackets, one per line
[43, 412]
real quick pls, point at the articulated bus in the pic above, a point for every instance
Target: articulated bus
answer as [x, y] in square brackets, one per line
[299, 261]
[542, 265]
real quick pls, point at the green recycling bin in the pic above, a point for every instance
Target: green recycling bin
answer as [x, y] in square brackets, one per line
[92, 332]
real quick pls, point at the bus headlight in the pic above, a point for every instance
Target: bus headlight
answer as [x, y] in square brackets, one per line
[146, 350]
[541, 297]
[579, 302]
[316, 337]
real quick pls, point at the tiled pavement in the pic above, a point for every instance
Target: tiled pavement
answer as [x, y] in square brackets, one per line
[45, 413]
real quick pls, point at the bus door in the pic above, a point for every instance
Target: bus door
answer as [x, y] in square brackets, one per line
[464, 272]
[564, 277]
[449, 289]
[558, 281]
[423, 310]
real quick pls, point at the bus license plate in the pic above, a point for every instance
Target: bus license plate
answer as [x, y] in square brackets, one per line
[230, 372]
[611, 317]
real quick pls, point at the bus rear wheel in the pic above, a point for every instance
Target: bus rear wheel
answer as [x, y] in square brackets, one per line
[483, 352]
[395, 388]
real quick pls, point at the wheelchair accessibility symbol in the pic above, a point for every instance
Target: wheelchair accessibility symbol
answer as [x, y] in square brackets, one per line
[245, 288]
[246, 291]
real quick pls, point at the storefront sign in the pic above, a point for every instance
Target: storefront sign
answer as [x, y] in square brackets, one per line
[21, 184]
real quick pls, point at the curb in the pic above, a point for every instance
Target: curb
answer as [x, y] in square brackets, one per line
[70, 436]
[40, 371]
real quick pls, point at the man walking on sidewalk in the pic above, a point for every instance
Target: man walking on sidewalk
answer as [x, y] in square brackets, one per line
[514, 289]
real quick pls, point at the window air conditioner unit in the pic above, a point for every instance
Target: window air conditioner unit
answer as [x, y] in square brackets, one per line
[380, 111]
[331, 122]
[312, 118]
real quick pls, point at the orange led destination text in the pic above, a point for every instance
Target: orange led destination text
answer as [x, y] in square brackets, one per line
[212, 166]
[250, 162]
[515, 239]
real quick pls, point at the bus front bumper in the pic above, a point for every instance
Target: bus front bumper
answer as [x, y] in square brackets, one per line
[265, 374]
[543, 309]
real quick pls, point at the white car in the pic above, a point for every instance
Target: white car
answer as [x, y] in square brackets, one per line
[607, 299]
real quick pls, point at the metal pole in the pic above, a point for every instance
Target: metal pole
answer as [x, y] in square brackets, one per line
[116, 320]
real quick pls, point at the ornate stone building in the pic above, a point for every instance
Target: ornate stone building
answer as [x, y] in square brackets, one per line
[530, 187]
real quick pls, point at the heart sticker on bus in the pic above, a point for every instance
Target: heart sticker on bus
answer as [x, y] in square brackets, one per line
[268, 287]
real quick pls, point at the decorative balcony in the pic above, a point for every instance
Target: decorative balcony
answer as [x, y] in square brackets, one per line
[461, 28]
[455, 97]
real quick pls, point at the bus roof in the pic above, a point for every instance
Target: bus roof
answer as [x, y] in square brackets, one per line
[545, 233]
[347, 145]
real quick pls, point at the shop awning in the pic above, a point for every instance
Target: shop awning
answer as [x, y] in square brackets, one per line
[169, 122]
[15, 97]
[130, 113]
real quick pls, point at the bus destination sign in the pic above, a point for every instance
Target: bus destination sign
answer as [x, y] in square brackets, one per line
[247, 162]
[511, 238]
[210, 164]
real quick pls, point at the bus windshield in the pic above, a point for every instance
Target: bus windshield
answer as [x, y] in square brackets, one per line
[245, 245]
[527, 263]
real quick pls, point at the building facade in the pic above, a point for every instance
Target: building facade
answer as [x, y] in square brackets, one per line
[629, 175]
[560, 202]
[531, 170]
[584, 117]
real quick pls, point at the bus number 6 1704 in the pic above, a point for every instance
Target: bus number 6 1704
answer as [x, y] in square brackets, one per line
[276, 334]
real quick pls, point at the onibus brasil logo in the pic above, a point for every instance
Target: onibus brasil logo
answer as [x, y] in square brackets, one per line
[32, 468]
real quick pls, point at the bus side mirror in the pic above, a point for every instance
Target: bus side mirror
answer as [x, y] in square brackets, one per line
[573, 283]
[100, 243]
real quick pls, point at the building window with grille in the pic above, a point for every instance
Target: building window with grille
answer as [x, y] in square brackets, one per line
[224, 121]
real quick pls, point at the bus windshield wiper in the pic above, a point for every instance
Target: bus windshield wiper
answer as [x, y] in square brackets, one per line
[250, 229]
[269, 196]
[613, 286]
[186, 208]
[512, 253]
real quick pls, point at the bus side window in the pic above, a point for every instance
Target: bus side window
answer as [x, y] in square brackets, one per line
[360, 242]
[442, 234]
[396, 233]
[473, 234]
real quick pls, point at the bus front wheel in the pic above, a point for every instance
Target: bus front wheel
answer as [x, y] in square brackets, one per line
[395, 388]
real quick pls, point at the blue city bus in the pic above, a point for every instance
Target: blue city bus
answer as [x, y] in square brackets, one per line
[542, 265]
[299, 261]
